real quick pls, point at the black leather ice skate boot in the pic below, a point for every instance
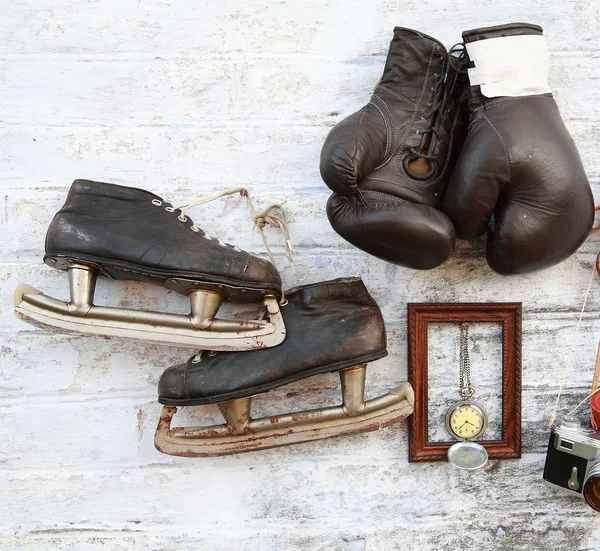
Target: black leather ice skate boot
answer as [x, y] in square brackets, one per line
[127, 233]
[331, 326]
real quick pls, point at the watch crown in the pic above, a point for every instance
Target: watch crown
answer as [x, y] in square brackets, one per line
[466, 392]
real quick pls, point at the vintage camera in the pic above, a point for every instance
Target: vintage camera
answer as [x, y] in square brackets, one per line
[573, 460]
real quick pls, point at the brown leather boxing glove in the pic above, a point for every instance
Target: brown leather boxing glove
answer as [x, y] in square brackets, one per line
[518, 164]
[389, 163]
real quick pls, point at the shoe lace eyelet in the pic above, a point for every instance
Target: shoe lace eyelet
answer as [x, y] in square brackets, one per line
[284, 303]
[169, 209]
[182, 218]
[156, 202]
[194, 228]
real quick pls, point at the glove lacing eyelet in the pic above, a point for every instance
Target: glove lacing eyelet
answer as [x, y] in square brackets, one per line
[452, 68]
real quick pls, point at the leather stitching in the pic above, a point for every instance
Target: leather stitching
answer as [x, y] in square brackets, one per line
[503, 100]
[503, 145]
[399, 166]
[355, 182]
[360, 196]
[391, 121]
[450, 143]
[494, 103]
[425, 80]
[489, 106]
[372, 191]
[403, 98]
[476, 119]
[390, 130]
[425, 183]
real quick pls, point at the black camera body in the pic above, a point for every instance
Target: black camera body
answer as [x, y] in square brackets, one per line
[573, 460]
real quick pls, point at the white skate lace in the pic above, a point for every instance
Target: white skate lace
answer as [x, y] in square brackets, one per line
[273, 215]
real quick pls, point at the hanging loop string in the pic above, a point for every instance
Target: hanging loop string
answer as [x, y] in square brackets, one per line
[568, 363]
[583, 401]
[273, 215]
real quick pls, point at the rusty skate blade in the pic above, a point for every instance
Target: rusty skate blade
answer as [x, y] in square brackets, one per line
[241, 433]
[199, 330]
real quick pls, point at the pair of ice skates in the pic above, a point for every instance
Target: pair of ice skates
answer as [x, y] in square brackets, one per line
[126, 233]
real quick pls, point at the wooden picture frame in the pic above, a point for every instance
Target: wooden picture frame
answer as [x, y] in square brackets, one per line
[509, 315]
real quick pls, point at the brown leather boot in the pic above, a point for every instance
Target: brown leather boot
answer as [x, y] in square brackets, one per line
[389, 163]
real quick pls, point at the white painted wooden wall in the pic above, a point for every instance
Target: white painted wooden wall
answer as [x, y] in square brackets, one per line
[192, 97]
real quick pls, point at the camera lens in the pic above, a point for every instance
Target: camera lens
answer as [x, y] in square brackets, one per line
[591, 488]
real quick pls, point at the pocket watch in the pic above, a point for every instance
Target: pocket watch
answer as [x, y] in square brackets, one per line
[466, 420]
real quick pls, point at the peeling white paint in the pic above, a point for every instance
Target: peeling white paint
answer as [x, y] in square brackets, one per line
[187, 99]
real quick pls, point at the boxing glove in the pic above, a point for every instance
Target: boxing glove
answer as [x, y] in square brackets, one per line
[389, 163]
[518, 165]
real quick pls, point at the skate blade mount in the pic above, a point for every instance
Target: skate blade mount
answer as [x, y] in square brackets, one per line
[241, 433]
[200, 329]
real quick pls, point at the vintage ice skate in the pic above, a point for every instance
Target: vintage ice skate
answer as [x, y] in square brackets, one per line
[331, 326]
[127, 233]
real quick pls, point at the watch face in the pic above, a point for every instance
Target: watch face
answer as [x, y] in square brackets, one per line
[466, 420]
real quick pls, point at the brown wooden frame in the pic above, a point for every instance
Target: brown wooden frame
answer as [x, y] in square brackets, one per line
[509, 314]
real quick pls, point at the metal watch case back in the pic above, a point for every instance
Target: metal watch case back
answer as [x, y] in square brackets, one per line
[467, 456]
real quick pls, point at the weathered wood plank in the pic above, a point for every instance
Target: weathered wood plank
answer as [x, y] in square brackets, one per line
[53, 366]
[190, 98]
[375, 502]
[316, 27]
[465, 278]
[97, 431]
[184, 92]
[188, 158]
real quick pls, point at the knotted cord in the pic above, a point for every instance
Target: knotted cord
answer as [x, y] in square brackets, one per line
[452, 68]
[273, 215]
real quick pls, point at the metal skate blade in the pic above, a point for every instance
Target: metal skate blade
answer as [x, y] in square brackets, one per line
[21, 290]
[38, 309]
[233, 293]
[280, 430]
